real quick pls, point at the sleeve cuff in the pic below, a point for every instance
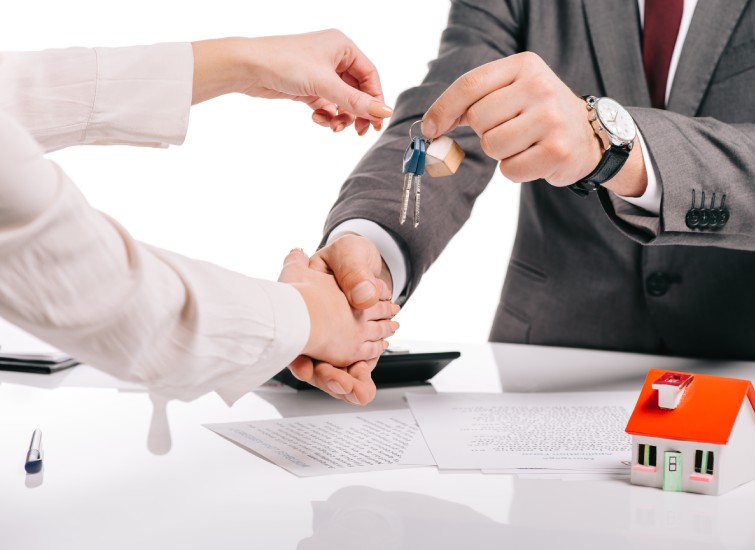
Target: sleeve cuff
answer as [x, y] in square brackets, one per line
[143, 95]
[650, 200]
[290, 334]
[138, 95]
[50, 93]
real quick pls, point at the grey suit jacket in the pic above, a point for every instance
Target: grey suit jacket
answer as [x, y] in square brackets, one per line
[579, 275]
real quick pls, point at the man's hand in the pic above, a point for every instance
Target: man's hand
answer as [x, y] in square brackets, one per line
[531, 122]
[352, 384]
[526, 117]
[358, 267]
[339, 334]
[365, 280]
[324, 69]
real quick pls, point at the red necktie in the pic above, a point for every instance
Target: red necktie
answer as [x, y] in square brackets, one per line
[662, 19]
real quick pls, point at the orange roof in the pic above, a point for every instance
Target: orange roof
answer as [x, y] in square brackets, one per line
[706, 413]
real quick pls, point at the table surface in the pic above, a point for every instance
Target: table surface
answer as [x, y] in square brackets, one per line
[124, 470]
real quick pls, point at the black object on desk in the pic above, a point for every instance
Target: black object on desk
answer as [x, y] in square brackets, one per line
[392, 369]
[42, 363]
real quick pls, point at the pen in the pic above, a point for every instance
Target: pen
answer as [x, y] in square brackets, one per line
[34, 456]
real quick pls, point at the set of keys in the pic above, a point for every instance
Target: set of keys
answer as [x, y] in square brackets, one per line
[440, 157]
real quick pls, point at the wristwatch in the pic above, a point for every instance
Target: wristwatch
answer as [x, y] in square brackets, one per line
[616, 131]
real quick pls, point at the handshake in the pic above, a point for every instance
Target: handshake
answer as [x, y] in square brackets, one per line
[347, 289]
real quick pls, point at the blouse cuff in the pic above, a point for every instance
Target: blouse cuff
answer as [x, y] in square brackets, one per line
[291, 327]
[137, 95]
[143, 95]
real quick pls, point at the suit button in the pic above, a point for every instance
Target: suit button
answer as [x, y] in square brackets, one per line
[714, 217]
[657, 284]
[692, 219]
[704, 218]
[723, 217]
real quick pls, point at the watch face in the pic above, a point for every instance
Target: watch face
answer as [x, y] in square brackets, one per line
[616, 120]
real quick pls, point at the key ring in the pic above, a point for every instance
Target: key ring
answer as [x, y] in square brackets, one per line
[428, 140]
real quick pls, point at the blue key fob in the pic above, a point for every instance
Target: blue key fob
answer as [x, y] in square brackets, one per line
[414, 157]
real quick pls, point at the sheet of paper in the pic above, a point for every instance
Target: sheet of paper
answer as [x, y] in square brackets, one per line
[573, 477]
[566, 471]
[334, 443]
[570, 475]
[582, 431]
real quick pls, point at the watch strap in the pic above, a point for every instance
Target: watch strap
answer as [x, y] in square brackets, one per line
[610, 163]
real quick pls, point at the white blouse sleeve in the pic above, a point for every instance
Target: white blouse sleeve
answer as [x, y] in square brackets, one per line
[139, 95]
[75, 278]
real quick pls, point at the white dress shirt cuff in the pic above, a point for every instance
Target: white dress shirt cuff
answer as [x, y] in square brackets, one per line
[387, 246]
[650, 200]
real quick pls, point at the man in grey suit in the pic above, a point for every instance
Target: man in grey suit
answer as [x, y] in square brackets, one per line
[636, 266]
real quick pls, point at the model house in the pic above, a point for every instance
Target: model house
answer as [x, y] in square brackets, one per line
[693, 432]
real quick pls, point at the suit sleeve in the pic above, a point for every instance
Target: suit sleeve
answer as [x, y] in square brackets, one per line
[705, 155]
[138, 95]
[477, 33]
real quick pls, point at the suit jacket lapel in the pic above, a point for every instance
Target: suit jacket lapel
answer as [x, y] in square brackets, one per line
[709, 32]
[618, 49]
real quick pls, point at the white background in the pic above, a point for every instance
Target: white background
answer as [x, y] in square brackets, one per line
[256, 177]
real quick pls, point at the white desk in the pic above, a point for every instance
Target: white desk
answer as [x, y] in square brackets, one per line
[110, 481]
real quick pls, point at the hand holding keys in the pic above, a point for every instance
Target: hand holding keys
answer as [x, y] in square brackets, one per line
[440, 157]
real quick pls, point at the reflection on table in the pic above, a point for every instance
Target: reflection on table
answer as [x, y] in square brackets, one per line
[126, 468]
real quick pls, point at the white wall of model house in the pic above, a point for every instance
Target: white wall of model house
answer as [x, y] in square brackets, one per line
[734, 462]
[738, 462]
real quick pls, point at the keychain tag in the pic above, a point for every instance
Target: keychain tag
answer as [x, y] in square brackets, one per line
[443, 157]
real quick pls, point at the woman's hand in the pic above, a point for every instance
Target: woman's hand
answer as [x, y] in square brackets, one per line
[324, 69]
[338, 334]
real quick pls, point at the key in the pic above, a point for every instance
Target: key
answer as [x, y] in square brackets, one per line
[417, 190]
[440, 157]
[408, 177]
[418, 178]
[413, 168]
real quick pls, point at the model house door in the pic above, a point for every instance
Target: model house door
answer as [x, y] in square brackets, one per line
[672, 471]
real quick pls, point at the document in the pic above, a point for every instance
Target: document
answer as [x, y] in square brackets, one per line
[334, 443]
[572, 475]
[505, 433]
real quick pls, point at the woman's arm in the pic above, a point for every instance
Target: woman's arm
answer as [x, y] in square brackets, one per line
[75, 278]
[141, 95]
